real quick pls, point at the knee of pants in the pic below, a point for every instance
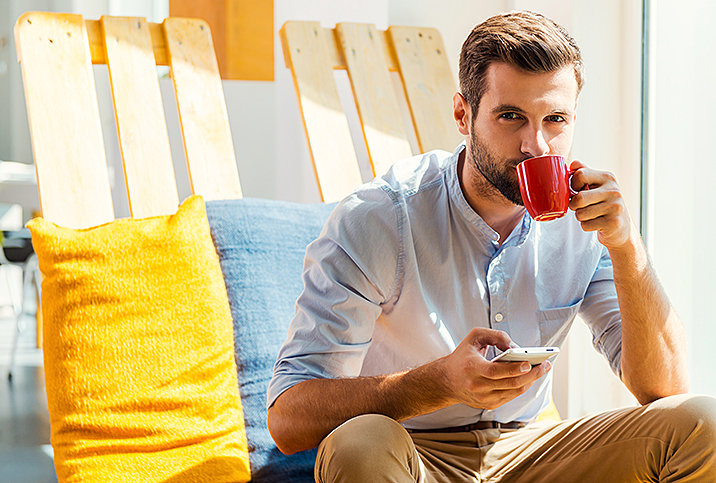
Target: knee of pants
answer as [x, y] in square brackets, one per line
[369, 444]
[692, 411]
[692, 416]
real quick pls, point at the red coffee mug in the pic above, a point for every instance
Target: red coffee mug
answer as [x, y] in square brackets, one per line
[545, 186]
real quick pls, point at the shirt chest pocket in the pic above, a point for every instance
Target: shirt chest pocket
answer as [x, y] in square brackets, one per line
[554, 324]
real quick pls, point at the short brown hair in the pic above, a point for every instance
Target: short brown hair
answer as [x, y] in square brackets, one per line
[526, 40]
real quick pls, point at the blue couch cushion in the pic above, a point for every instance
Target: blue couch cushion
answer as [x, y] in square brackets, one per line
[261, 246]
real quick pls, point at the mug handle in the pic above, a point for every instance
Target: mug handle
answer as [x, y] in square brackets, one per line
[569, 184]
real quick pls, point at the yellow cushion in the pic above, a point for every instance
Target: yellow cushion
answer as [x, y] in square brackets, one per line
[139, 355]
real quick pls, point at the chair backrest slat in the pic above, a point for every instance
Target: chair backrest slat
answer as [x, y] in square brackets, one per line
[202, 109]
[309, 53]
[376, 103]
[429, 85]
[64, 119]
[143, 137]
[96, 42]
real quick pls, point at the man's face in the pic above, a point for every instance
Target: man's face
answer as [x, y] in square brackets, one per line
[520, 116]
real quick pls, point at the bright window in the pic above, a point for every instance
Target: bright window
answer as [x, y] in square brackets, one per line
[681, 162]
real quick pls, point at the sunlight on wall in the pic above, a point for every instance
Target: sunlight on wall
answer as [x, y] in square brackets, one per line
[683, 159]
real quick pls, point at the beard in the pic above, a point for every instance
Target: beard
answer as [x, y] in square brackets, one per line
[500, 175]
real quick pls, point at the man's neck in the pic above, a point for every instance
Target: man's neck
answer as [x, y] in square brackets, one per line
[500, 214]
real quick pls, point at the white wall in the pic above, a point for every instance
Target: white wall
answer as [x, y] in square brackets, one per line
[682, 163]
[5, 60]
[608, 138]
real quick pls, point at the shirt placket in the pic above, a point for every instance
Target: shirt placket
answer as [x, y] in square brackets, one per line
[498, 301]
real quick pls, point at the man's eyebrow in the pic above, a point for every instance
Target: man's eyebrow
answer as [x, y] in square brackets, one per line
[512, 108]
[506, 108]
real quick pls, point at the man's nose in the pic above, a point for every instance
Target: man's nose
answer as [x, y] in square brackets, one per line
[534, 142]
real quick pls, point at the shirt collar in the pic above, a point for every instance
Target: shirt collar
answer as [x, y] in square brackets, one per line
[458, 199]
[524, 230]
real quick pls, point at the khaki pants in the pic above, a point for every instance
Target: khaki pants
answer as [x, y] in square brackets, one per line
[670, 440]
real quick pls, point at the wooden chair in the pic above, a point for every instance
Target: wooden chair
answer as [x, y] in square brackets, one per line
[369, 56]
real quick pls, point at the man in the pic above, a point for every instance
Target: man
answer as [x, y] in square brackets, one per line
[422, 275]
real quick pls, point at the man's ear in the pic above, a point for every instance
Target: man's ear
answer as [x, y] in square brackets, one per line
[461, 113]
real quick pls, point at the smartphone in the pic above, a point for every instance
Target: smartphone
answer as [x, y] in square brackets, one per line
[533, 355]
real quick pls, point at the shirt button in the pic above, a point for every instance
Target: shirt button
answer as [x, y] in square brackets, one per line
[498, 317]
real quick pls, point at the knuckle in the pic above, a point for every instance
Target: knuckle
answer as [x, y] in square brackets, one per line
[472, 336]
[615, 196]
[517, 378]
[513, 383]
[492, 371]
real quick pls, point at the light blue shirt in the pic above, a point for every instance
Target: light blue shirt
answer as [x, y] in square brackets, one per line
[405, 268]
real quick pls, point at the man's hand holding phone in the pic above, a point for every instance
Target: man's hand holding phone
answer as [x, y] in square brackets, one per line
[473, 380]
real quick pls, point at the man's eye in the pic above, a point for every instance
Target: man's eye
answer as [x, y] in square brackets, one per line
[510, 116]
[555, 118]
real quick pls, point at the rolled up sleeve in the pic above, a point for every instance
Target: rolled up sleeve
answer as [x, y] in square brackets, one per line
[349, 271]
[600, 311]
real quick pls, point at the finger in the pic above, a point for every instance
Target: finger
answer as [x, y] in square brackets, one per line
[482, 392]
[576, 182]
[576, 165]
[608, 193]
[605, 212]
[499, 397]
[507, 389]
[592, 207]
[515, 374]
[603, 217]
[594, 179]
[585, 179]
[482, 337]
